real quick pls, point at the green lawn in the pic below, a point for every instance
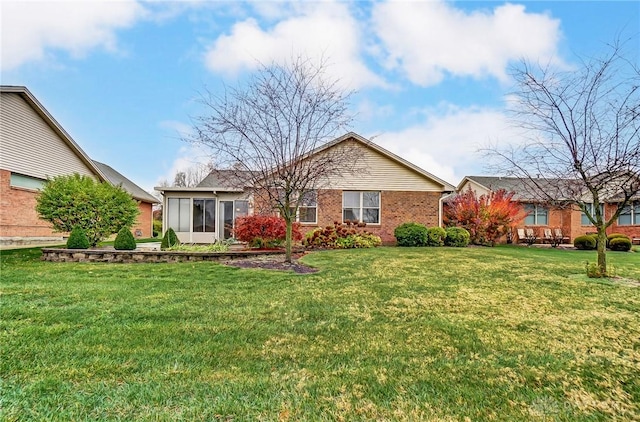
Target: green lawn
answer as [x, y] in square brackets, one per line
[438, 334]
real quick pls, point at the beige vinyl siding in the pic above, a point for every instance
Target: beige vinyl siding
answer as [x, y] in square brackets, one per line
[29, 146]
[478, 189]
[382, 173]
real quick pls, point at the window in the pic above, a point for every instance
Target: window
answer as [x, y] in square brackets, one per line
[178, 214]
[241, 208]
[308, 208]
[537, 215]
[584, 220]
[630, 215]
[204, 215]
[26, 182]
[361, 206]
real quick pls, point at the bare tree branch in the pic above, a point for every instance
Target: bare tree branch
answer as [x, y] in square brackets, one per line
[269, 132]
[583, 129]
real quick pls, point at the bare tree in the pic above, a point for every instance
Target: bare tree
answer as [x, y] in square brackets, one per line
[583, 143]
[272, 134]
[193, 175]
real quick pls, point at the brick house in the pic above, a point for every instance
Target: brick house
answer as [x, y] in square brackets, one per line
[34, 147]
[567, 217]
[391, 191]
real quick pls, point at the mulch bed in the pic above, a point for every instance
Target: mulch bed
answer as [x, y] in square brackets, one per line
[273, 262]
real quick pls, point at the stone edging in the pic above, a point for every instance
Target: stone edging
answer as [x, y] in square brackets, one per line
[112, 255]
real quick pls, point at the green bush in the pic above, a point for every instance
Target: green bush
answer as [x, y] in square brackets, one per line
[169, 240]
[124, 240]
[593, 271]
[620, 244]
[157, 228]
[436, 236]
[99, 208]
[615, 236]
[586, 242]
[411, 234]
[457, 237]
[77, 239]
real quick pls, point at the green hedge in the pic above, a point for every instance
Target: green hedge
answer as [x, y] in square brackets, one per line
[457, 237]
[586, 242]
[411, 234]
[621, 244]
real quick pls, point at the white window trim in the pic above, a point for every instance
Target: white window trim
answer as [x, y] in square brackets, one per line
[215, 218]
[534, 213]
[589, 205]
[634, 207]
[361, 192]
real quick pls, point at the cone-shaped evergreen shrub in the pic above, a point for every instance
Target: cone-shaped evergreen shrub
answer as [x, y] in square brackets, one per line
[124, 240]
[170, 239]
[77, 239]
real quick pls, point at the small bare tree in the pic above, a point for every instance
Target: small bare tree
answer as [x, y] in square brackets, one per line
[271, 134]
[583, 143]
[193, 175]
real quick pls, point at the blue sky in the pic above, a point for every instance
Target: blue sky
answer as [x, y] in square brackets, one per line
[431, 77]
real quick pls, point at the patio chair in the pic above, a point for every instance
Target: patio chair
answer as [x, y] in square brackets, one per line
[559, 235]
[548, 236]
[522, 238]
[530, 236]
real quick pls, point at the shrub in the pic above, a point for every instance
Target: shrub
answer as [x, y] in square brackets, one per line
[457, 237]
[586, 242]
[485, 217]
[77, 239]
[169, 240]
[264, 231]
[341, 236]
[157, 227]
[124, 240]
[615, 236]
[99, 208]
[593, 271]
[436, 236]
[621, 244]
[411, 234]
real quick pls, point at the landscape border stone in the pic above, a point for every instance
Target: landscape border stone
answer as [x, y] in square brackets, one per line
[135, 256]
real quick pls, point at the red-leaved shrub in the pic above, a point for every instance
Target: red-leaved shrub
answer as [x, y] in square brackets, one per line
[485, 217]
[263, 231]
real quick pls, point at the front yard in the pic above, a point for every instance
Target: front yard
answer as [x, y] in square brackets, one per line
[409, 334]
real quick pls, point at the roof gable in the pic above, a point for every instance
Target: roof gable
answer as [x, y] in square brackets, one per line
[34, 142]
[404, 167]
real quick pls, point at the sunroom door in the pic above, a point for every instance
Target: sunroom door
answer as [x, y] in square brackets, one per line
[225, 228]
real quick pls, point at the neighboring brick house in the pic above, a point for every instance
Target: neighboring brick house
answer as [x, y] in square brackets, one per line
[33, 147]
[390, 192]
[567, 217]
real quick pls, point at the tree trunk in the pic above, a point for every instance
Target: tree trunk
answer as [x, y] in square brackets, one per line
[602, 251]
[288, 241]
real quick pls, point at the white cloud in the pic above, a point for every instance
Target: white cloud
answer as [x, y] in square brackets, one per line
[446, 144]
[428, 40]
[324, 29]
[32, 31]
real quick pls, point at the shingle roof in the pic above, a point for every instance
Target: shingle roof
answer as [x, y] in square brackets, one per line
[530, 190]
[225, 180]
[116, 178]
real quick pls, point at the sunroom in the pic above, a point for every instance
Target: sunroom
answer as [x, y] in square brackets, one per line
[202, 215]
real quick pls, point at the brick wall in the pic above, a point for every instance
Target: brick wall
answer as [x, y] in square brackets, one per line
[18, 216]
[144, 221]
[396, 207]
